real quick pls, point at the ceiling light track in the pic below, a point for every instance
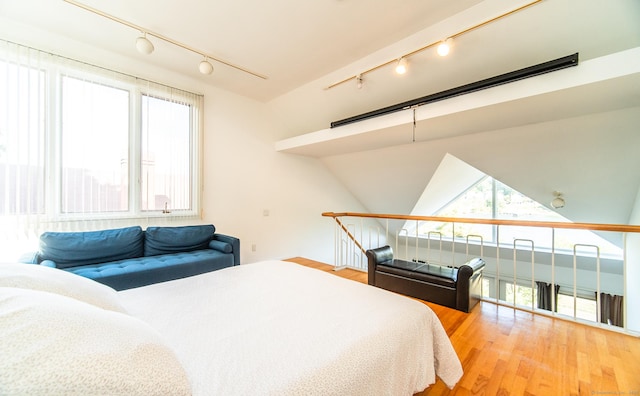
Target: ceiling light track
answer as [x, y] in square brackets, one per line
[449, 38]
[148, 32]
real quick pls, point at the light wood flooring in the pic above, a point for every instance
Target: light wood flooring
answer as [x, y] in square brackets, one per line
[511, 352]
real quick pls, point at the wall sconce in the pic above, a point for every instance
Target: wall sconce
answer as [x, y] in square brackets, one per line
[558, 201]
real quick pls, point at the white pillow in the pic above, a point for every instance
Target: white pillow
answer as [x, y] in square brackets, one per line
[54, 280]
[55, 345]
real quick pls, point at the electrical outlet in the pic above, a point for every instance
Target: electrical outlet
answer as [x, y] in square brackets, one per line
[253, 247]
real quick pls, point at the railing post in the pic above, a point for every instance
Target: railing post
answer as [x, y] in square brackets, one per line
[515, 272]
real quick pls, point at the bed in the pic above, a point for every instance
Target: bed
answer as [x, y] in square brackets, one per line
[267, 328]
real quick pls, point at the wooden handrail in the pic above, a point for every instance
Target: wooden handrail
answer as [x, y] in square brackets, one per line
[525, 223]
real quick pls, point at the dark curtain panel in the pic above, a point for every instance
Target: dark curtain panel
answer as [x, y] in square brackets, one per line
[544, 295]
[611, 309]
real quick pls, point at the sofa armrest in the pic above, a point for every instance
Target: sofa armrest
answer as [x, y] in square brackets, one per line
[235, 244]
[375, 257]
[470, 268]
[34, 258]
[29, 258]
[469, 284]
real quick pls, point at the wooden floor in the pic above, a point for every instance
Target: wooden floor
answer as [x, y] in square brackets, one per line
[510, 352]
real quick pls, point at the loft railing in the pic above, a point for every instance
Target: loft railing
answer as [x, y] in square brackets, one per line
[572, 279]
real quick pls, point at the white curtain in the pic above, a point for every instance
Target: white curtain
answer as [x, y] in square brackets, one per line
[23, 91]
[35, 150]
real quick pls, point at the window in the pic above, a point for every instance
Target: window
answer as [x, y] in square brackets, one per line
[521, 295]
[95, 147]
[585, 308]
[166, 168]
[82, 144]
[526, 297]
[491, 199]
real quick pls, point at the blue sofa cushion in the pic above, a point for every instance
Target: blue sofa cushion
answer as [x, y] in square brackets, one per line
[70, 249]
[142, 271]
[164, 240]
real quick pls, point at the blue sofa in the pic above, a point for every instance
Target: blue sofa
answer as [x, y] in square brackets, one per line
[129, 257]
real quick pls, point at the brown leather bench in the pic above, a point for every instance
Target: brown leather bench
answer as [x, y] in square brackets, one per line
[458, 288]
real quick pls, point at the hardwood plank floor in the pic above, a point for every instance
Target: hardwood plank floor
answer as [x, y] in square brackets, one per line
[510, 352]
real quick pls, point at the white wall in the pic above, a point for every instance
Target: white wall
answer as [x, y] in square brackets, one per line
[244, 177]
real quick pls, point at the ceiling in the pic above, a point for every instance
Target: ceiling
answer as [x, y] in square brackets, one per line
[305, 46]
[291, 42]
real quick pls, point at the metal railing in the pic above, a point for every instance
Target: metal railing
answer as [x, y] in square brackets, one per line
[515, 270]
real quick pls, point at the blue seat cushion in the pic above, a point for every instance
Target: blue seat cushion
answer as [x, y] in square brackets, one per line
[142, 271]
[70, 249]
[164, 240]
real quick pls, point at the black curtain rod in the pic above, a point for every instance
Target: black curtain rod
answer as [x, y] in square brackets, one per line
[546, 67]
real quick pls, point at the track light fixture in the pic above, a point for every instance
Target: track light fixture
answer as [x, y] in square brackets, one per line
[401, 67]
[144, 46]
[443, 47]
[205, 67]
[359, 81]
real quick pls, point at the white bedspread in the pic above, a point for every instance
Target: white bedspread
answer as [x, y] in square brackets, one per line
[278, 328]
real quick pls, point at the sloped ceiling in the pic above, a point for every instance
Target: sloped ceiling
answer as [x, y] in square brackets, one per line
[592, 159]
[547, 30]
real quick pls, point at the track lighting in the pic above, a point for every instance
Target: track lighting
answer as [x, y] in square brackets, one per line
[445, 47]
[143, 44]
[205, 66]
[401, 67]
[359, 81]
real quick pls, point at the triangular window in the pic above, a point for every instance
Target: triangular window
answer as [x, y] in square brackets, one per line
[487, 198]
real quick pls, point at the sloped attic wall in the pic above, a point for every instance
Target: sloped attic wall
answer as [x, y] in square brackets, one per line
[593, 160]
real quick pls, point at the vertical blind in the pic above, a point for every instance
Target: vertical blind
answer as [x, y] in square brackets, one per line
[83, 147]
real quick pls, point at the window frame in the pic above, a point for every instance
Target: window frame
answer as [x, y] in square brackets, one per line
[492, 240]
[54, 71]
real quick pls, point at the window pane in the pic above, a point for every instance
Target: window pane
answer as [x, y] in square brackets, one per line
[94, 151]
[476, 202]
[22, 128]
[487, 289]
[585, 309]
[523, 295]
[166, 159]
